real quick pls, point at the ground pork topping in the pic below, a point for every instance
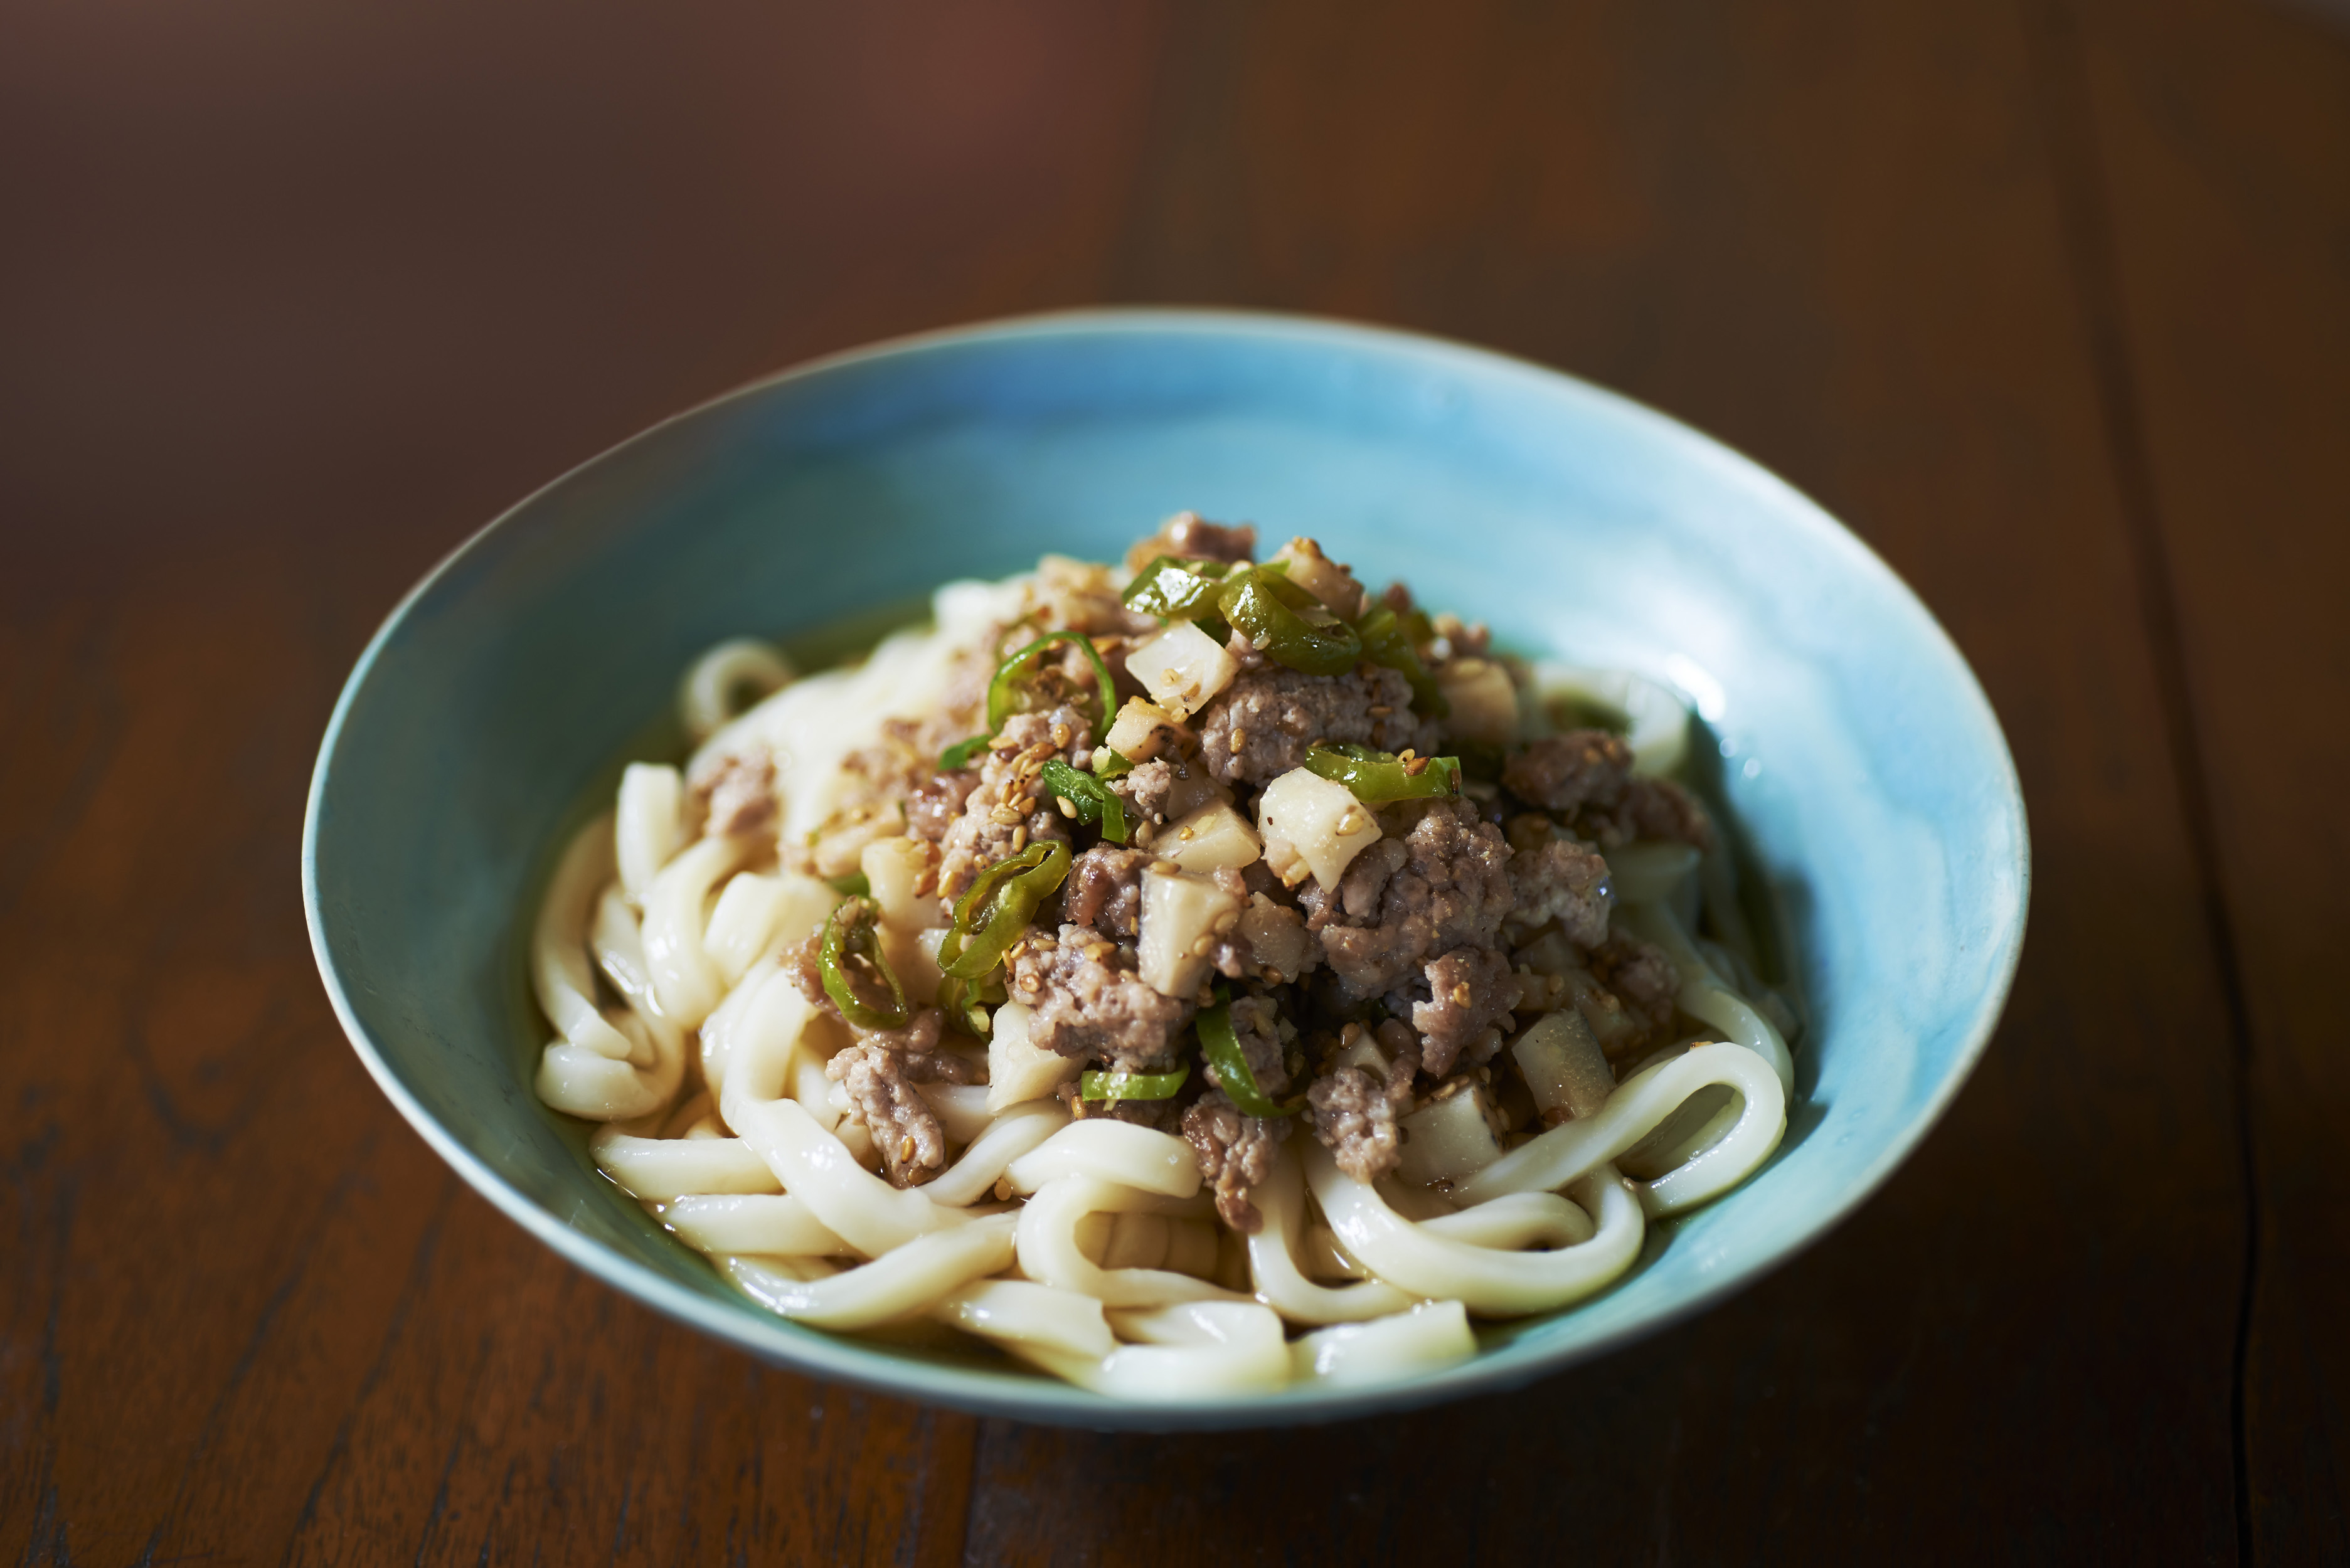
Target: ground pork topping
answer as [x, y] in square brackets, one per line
[1259, 726]
[1642, 978]
[1559, 879]
[1089, 1000]
[1445, 885]
[936, 802]
[1009, 809]
[882, 1095]
[1188, 534]
[735, 791]
[1146, 791]
[1236, 1154]
[1471, 991]
[1586, 774]
[1103, 892]
[1355, 1118]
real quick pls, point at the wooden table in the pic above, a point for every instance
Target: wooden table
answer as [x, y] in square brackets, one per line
[2049, 300]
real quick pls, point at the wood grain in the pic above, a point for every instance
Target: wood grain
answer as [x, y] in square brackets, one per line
[2224, 136]
[2050, 305]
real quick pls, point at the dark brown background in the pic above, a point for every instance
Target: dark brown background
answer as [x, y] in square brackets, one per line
[2050, 299]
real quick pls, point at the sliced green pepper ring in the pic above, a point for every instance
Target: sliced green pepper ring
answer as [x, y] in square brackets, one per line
[1221, 1047]
[998, 906]
[1175, 587]
[1254, 603]
[959, 755]
[855, 941]
[1094, 801]
[1387, 640]
[1003, 691]
[1378, 777]
[1114, 1086]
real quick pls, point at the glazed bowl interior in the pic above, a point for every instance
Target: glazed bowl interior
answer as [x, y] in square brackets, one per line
[1856, 752]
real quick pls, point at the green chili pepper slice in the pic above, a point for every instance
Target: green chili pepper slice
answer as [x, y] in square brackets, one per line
[1254, 602]
[966, 1001]
[853, 885]
[1221, 1047]
[959, 755]
[1173, 587]
[997, 908]
[1132, 1086]
[856, 943]
[1003, 691]
[1386, 641]
[1095, 801]
[1378, 777]
[1112, 764]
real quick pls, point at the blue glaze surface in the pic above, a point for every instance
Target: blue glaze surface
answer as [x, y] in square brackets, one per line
[1859, 755]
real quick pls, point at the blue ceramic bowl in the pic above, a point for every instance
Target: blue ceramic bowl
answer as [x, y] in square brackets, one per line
[1860, 755]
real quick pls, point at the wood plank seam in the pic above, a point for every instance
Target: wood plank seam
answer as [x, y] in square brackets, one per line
[2061, 75]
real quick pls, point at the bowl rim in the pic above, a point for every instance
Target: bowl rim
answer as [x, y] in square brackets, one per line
[883, 1368]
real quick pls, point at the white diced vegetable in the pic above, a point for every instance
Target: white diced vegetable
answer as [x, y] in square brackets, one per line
[1213, 838]
[1312, 825]
[1141, 730]
[1182, 917]
[757, 914]
[1018, 1071]
[1484, 703]
[1323, 577]
[1564, 1067]
[1181, 668]
[1448, 1139]
[893, 867]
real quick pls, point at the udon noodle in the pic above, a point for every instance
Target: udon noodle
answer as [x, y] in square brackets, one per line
[1193, 978]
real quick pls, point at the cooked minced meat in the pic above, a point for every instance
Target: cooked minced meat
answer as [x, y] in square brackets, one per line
[1103, 892]
[1641, 977]
[1586, 776]
[1009, 809]
[1190, 535]
[882, 1095]
[937, 802]
[1470, 990]
[1146, 790]
[1560, 879]
[1259, 726]
[1443, 886]
[1354, 1117]
[736, 791]
[1089, 1000]
[1236, 1154]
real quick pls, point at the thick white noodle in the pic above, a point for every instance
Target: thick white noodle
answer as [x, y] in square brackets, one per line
[818, 1169]
[602, 1068]
[1205, 1350]
[1703, 995]
[1639, 1106]
[1113, 1151]
[1516, 1220]
[751, 1223]
[1280, 1283]
[962, 1108]
[903, 1282]
[1019, 1129]
[1050, 1253]
[649, 825]
[1415, 1259]
[1020, 1313]
[1430, 1336]
[661, 1170]
[705, 699]
[684, 976]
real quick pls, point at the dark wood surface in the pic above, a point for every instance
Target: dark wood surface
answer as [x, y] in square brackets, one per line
[2050, 300]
